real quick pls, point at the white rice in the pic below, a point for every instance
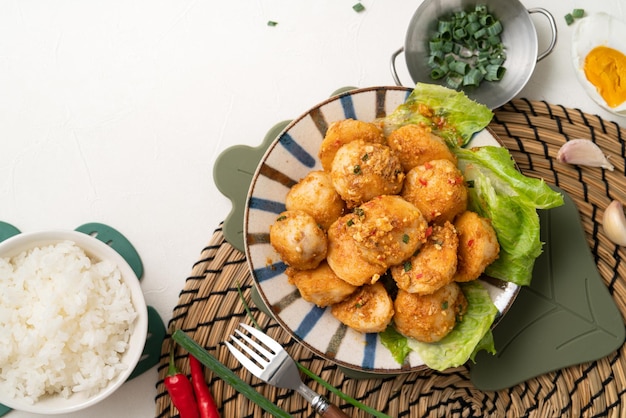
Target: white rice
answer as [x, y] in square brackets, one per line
[65, 321]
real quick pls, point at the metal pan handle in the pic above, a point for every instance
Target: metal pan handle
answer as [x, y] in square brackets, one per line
[394, 72]
[553, 31]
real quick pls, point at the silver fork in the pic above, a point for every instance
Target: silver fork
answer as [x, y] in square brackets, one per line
[267, 359]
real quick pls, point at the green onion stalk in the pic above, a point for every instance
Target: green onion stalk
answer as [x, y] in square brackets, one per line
[196, 350]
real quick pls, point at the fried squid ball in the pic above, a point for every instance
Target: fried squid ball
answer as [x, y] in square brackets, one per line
[438, 190]
[298, 239]
[478, 246]
[320, 285]
[341, 132]
[316, 195]
[429, 318]
[363, 170]
[369, 309]
[433, 266]
[387, 230]
[344, 258]
[416, 144]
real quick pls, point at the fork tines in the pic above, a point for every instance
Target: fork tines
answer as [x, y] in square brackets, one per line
[261, 355]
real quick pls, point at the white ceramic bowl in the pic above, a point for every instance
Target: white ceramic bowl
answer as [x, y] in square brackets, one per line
[598, 29]
[289, 158]
[98, 250]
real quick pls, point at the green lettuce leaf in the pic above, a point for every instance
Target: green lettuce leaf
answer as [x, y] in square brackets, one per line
[450, 113]
[498, 191]
[467, 337]
[501, 193]
[396, 343]
[498, 164]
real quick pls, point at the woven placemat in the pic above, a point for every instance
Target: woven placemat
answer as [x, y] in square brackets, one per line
[210, 306]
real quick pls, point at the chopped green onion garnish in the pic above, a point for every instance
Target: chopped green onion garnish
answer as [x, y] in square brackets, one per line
[495, 28]
[569, 19]
[459, 67]
[494, 72]
[448, 46]
[272, 23]
[444, 26]
[480, 33]
[472, 27]
[459, 33]
[358, 7]
[466, 41]
[486, 20]
[454, 81]
[439, 72]
[473, 77]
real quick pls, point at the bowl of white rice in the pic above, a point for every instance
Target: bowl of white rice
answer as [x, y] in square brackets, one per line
[73, 321]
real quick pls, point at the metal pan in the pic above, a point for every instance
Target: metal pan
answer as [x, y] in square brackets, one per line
[519, 37]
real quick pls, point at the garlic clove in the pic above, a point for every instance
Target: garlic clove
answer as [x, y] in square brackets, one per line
[583, 152]
[614, 223]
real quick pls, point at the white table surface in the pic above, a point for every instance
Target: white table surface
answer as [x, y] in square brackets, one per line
[115, 111]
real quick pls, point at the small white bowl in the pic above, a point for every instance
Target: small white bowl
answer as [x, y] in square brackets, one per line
[598, 29]
[96, 249]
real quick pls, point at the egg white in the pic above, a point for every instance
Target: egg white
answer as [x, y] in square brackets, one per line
[599, 29]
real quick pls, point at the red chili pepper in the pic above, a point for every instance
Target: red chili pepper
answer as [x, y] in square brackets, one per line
[180, 390]
[205, 401]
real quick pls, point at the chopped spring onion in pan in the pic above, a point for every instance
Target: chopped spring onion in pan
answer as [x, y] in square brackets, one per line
[467, 49]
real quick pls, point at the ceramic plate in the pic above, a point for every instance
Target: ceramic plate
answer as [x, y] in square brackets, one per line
[288, 159]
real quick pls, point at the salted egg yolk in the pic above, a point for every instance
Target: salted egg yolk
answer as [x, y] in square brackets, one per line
[605, 68]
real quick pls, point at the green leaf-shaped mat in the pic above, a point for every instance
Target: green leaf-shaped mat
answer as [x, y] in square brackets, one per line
[232, 173]
[565, 317]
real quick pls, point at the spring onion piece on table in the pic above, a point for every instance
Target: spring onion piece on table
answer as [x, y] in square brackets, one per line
[575, 14]
[226, 374]
[467, 42]
[358, 7]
